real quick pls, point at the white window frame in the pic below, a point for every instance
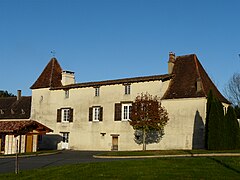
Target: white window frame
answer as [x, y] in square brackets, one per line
[97, 91]
[126, 111]
[96, 113]
[65, 115]
[127, 89]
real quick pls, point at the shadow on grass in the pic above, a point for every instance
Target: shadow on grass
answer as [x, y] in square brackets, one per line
[222, 163]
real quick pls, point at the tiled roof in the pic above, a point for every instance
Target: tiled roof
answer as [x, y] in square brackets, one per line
[22, 127]
[51, 76]
[117, 81]
[11, 108]
[187, 70]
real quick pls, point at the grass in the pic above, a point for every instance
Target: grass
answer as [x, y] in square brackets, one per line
[163, 152]
[161, 168]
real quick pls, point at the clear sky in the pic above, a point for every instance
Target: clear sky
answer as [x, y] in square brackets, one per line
[111, 39]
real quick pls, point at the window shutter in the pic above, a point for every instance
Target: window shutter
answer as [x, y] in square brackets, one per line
[70, 115]
[90, 114]
[101, 114]
[118, 112]
[130, 111]
[59, 114]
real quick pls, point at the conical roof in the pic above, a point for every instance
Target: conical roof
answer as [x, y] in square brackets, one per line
[50, 77]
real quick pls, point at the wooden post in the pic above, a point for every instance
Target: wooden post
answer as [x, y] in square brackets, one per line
[16, 160]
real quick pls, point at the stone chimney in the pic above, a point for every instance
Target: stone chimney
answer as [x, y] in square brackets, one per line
[171, 62]
[68, 78]
[19, 94]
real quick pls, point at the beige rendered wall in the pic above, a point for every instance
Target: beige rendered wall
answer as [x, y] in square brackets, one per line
[85, 135]
[185, 129]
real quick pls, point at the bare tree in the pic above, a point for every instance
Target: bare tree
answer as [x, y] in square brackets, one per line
[232, 89]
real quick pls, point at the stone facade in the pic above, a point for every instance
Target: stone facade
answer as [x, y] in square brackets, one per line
[79, 104]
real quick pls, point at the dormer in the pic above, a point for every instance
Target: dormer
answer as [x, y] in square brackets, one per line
[68, 78]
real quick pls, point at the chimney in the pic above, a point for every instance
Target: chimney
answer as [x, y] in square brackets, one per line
[19, 94]
[171, 62]
[68, 78]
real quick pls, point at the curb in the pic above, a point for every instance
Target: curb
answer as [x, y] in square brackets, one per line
[167, 156]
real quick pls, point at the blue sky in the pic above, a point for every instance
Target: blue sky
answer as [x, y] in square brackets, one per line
[111, 39]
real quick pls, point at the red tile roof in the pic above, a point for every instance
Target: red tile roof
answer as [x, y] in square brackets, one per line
[187, 70]
[11, 108]
[50, 77]
[22, 127]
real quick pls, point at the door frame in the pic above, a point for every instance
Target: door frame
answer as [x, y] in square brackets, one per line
[65, 140]
[115, 144]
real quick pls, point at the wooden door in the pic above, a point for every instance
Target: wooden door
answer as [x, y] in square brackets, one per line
[29, 143]
[114, 143]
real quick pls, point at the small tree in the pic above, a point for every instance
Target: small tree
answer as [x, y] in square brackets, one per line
[148, 117]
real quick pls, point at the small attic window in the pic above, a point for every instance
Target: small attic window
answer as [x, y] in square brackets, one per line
[66, 94]
[23, 112]
[1, 111]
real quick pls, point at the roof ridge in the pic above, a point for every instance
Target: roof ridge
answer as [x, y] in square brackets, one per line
[198, 72]
[50, 83]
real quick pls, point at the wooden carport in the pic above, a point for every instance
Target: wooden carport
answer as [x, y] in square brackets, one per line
[20, 135]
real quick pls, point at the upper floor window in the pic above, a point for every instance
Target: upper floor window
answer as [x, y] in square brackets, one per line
[66, 94]
[123, 111]
[95, 113]
[65, 115]
[126, 110]
[127, 89]
[97, 91]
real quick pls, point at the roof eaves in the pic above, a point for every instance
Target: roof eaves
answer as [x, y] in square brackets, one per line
[116, 81]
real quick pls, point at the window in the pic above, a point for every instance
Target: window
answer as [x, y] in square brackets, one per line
[66, 94]
[1, 111]
[97, 91]
[95, 113]
[65, 115]
[122, 111]
[126, 109]
[127, 89]
[65, 137]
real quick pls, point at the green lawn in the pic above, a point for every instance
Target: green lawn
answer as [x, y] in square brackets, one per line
[161, 168]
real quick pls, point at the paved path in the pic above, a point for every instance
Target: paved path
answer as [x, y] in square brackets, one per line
[62, 158]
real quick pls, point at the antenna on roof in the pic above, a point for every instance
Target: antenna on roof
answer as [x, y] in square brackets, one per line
[53, 52]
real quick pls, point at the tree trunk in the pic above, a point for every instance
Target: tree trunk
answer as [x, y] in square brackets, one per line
[144, 139]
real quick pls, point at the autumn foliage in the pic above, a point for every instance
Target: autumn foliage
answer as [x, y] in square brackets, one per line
[148, 115]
